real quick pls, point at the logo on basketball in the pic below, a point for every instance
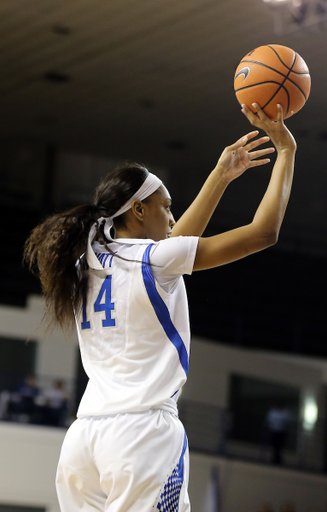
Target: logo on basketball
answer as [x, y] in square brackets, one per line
[244, 71]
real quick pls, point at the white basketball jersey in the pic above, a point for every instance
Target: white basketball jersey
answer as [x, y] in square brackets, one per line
[133, 328]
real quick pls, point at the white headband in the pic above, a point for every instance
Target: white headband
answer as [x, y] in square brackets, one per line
[149, 186]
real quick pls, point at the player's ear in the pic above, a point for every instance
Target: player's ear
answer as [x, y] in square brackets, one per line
[138, 209]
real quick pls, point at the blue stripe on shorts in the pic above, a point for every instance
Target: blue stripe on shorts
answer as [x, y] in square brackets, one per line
[169, 498]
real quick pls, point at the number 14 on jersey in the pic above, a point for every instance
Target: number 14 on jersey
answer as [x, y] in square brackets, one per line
[102, 303]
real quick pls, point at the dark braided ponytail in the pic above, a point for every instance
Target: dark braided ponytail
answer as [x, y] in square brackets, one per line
[54, 246]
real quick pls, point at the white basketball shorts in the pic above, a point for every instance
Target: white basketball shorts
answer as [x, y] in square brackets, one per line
[132, 462]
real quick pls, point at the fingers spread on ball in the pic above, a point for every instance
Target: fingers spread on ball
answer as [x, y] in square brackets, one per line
[253, 118]
[280, 113]
[247, 112]
[260, 112]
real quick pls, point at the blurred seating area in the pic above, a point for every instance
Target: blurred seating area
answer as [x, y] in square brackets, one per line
[212, 430]
[34, 404]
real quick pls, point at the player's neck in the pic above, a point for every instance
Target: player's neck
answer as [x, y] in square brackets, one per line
[134, 232]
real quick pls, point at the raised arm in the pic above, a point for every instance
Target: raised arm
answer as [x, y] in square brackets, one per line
[233, 162]
[264, 229]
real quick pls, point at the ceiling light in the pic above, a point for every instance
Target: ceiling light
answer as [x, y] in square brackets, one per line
[310, 414]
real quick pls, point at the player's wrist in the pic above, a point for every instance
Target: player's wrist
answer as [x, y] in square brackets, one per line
[289, 148]
[220, 174]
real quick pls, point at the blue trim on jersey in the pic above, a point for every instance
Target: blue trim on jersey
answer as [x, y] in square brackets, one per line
[105, 260]
[161, 310]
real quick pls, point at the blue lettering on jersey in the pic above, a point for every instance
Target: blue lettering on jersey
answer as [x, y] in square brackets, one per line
[112, 259]
[100, 256]
[161, 310]
[107, 306]
[103, 258]
[85, 324]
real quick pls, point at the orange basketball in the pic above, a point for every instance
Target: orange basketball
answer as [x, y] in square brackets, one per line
[270, 75]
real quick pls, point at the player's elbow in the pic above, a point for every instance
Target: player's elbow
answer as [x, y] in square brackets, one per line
[270, 238]
[267, 233]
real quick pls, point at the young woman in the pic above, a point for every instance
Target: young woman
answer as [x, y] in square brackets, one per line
[114, 268]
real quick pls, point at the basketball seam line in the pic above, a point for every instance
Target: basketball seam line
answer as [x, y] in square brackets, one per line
[267, 82]
[257, 83]
[277, 54]
[288, 99]
[282, 85]
[278, 72]
[274, 69]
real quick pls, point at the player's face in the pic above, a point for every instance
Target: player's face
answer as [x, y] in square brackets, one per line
[159, 220]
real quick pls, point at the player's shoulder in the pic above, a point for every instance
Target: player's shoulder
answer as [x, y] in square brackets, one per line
[177, 241]
[176, 251]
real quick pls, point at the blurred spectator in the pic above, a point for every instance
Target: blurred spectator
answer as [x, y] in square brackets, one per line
[55, 401]
[278, 420]
[26, 406]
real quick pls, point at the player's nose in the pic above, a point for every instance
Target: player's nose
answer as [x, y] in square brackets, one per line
[171, 221]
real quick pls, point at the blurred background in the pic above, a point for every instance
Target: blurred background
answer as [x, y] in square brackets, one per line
[86, 85]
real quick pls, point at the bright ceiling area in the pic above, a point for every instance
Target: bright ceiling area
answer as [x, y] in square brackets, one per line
[152, 81]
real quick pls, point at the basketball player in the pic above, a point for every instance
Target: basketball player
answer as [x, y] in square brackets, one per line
[127, 450]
